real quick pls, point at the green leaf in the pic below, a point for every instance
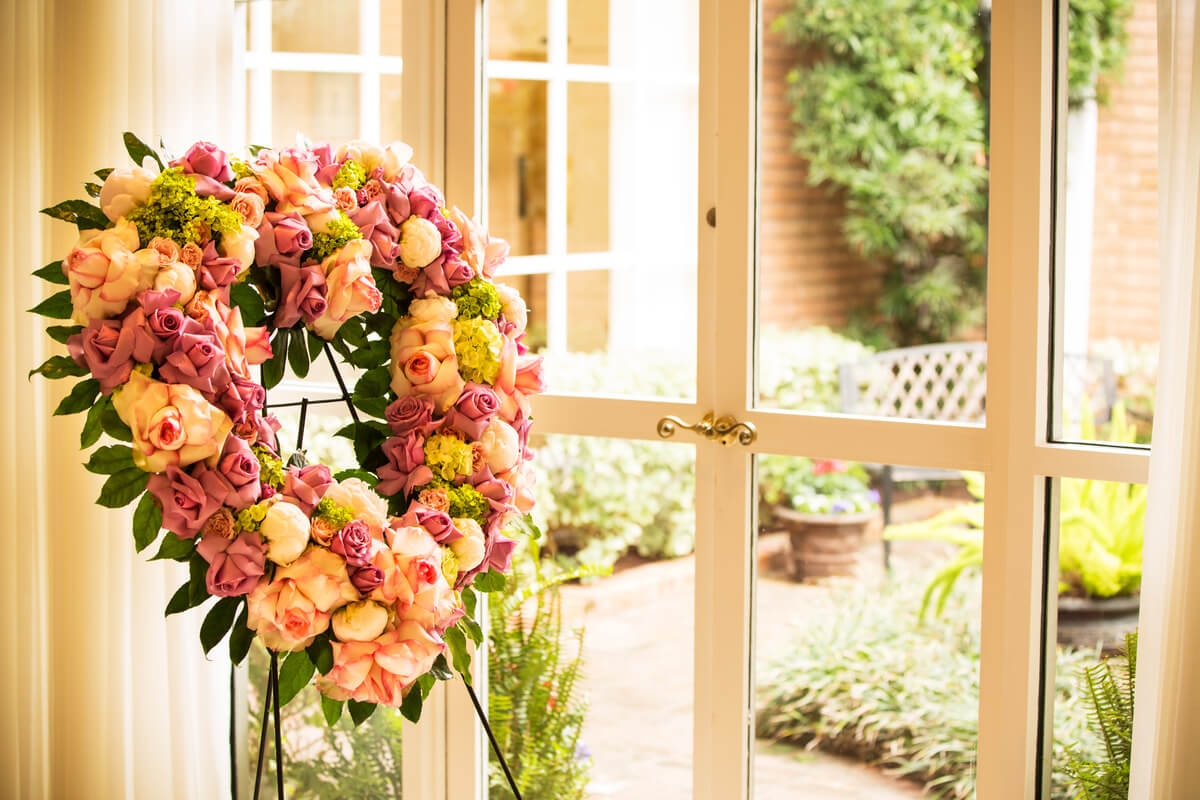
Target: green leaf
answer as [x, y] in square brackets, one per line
[470, 600]
[373, 383]
[80, 398]
[61, 333]
[52, 273]
[90, 434]
[138, 150]
[459, 653]
[316, 346]
[489, 581]
[174, 549]
[359, 712]
[114, 426]
[57, 367]
[240, 638]
[218, 621]
[179, 601]
[294, 675]
[111, 459]
[56, 306]
[298, 355]
[411, 707]
[103, 174]
[243, 296]
[440, 669]
[321, 654]
[93, 189]
[147, 521]
[273, 368]
[375, 406]
[472, 629]
[198, 586]
[255, 149]
[80, 213]
[120, 489]
[332, 709]
[368, 478]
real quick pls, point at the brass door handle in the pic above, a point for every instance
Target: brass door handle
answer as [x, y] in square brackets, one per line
[725, 429]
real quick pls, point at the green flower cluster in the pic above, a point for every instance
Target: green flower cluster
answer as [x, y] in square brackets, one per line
[449, 565]
[351, 175]
[448, 456]
[466, 501]
[270, 466]
[251, 519]
[241, 169]
[341, 230]
[478, 343]
[175, 211]
[333, 513]
[477, 298]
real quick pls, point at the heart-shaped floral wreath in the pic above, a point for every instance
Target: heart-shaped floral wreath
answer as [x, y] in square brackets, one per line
[186, 276]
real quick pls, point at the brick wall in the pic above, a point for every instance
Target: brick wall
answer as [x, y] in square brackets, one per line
[808, 276]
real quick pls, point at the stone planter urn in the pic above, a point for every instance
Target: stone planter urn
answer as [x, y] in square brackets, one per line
[1088, 622]
[824, 545]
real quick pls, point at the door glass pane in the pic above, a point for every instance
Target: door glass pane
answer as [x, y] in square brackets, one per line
[575, 674]
[320, 105]
[314, 26]
[593, 179]
[1098, 577]
[391, 109]
[873, 178]
[391, 31]
[517, 164]
[1106, 258]
[865, 687]
[517, 30]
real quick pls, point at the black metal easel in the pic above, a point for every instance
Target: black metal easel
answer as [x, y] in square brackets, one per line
[271, 696]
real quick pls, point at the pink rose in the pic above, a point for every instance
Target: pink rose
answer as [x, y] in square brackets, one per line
[243, 347]
[424, 363]
[172, 424]
[409, 413]
[303, 295]
[380, 670]
[235, 480]
[106, 348]
[290, 176]
[366, 579]
[437, 523]
[216, 271]
[197, 360]
[305, 486]
[473, 410]
[186, 505]
[234, 565]
[529, 379]
[205, 158]
[376, 227]
[405, 468]
[353, 543]
[106, 271]
[242, 398]
[349, 287]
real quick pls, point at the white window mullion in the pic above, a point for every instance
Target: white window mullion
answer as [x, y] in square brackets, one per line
[556, 176]
[259, 128]
[368, 78]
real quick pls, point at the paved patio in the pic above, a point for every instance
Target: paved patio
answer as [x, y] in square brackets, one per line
[638, 662]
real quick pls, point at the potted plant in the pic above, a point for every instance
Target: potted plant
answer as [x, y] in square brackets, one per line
[825, 506]
[1099, 552]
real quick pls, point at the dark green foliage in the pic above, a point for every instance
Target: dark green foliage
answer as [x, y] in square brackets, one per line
[535, 703]
[890, 110]
[1109, 696]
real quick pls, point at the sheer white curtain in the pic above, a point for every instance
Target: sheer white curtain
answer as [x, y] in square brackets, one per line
[1167, 716]
[103, 698]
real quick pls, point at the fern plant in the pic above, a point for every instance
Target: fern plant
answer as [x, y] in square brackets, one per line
[535, 702]
[1109, 693]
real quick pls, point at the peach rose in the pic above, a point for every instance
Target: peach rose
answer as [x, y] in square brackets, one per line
[380, 671]
[168, 251]
[172, 424]
[290, 176]
[360, 498]
[292, 610]
[471, 547]
[106, 270]
[436, 606]
[251, 206]
[349, 287]
[523, 480]
[244, 347]
[412, 563]
[423, 361]
[501, 445]
[513, 307]
[322, 576]
[390, 159]
[192, 255]
[251, 185]
[529, 378]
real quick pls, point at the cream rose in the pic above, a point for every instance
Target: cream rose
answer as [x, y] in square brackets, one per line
[432, 308]
[501, 446]
[359, 622]
[349, 287]
[360, 498]
[105, 271]
[177, 276]
[470, 549]
[124, 190]
[513, 307]
[240, 245]
[390, 159]
[420, 242]
[286, 530]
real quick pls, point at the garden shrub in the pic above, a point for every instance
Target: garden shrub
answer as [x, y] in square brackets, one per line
[869, 681]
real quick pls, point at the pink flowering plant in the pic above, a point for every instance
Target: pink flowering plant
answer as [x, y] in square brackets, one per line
[189, 272]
